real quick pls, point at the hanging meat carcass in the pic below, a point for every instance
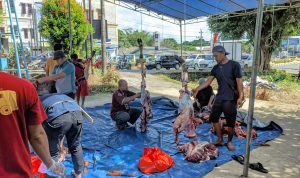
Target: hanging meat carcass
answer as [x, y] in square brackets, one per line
[199, 151]
[185, 119]
[145, 95]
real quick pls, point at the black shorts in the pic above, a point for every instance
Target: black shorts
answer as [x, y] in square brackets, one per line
[228, 108]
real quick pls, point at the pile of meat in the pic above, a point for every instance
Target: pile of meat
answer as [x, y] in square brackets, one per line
[147, 109]
[199, 151]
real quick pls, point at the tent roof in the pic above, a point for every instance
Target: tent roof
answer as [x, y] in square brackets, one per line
[192, 9]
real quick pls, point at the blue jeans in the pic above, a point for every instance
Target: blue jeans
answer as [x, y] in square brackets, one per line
[69, 125]
[131, 115]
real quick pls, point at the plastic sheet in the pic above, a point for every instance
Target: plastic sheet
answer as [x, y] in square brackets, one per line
[120, 151]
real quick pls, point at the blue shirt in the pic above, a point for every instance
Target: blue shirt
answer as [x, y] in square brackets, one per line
[67, 84]
[232, 71]
[58, 104]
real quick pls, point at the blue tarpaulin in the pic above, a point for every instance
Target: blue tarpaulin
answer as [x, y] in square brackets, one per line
[192, 9]
[114, 150]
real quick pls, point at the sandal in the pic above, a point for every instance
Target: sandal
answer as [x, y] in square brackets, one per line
[238, 158]
[258, 167]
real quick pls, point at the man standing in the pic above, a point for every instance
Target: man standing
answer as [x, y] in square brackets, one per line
[121, 112]
[21, 115]
[64, 75]
[230, 93]
[64, 119]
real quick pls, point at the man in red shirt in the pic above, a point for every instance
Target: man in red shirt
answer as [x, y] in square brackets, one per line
[21, 116]
[120, 111]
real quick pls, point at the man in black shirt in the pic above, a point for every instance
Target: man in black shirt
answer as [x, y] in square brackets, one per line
[230, 93]
[204, 97]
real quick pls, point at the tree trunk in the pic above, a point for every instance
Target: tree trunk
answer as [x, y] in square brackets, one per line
[265, 58]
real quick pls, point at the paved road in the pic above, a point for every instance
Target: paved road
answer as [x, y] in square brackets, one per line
[292, 68]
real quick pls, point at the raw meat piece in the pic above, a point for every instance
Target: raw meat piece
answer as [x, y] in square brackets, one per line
[186, 119]
[199, 151]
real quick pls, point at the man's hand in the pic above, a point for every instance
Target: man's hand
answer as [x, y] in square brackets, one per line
[194, 92]
[40, 81]
[57, 169]
[138, 95]
[240, 102]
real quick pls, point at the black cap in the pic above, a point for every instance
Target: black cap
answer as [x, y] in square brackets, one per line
[58, 54]
[220, 49]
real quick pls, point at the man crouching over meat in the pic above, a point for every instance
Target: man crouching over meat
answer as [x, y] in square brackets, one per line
[121, 113]
[64, 119]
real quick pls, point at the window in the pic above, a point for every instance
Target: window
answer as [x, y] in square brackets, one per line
[2, 30]
[32, 33]
[23, 8]
[25, 33]
[11, 5]
[29, 9]
[99, 13]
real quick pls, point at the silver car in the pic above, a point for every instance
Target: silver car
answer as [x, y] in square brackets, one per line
[206, 61]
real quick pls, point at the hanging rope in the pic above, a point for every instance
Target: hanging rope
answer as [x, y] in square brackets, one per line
[271, 39]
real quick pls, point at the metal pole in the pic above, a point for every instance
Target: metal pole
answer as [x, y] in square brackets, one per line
[103, 36]
[14, 39]
[257, 50]
[21, 41]
[201, 40]
[70, 26]
[35, 31]
[91, 36]
[180, 25]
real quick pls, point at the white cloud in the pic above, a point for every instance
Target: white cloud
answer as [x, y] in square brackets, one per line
[130, 19]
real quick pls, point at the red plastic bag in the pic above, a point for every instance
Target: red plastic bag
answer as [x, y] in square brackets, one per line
[155, 160]
[36, 162]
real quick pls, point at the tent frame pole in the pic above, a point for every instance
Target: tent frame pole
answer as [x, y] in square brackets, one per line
[180, 25]
[21, 41]
[103, 37]
[257, 56]
[14, 39]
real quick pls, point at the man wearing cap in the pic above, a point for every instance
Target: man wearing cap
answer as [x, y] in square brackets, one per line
[230, 93]
[64, 75]
[204, 97]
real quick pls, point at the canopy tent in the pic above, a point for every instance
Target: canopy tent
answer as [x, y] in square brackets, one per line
[191, 11]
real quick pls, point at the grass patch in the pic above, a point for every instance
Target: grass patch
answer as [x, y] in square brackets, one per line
[103, 83]
[284, 60]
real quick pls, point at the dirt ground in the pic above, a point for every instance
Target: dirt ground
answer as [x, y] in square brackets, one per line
[282, 158]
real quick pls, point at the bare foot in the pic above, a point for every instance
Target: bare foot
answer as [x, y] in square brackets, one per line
[218, 143]
[230, 147]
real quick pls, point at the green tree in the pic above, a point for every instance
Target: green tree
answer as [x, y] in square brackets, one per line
[54, 24]
[276, 25]
[1, 16]
[128, 38]
[169, 43]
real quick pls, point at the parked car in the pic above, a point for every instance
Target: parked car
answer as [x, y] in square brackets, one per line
[246, 61]
[206, 61]
[165, 61]
[192, 61]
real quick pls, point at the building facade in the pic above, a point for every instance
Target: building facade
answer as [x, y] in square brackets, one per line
[28, 20]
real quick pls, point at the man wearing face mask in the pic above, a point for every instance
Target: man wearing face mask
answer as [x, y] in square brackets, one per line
[120, 111]
[230, 94]
[64, 75]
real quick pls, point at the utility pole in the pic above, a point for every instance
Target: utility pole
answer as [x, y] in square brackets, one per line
[85, 42]
[91, 36]
[103, 36]
[201, 37]
[70, 26]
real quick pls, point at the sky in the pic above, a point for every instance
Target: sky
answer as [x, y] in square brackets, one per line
[132, 19]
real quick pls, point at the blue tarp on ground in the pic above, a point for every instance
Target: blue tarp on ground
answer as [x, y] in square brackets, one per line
[116, 150]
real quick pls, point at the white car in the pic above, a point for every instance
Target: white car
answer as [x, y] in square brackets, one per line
[206, 61]
[246, 61]
[192, 61]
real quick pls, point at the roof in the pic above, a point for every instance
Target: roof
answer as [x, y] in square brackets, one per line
[192, 9]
